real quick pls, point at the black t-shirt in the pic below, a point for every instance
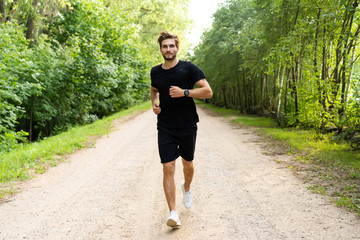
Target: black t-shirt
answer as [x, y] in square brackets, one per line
[176, 112]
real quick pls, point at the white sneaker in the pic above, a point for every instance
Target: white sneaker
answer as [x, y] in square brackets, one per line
[187, 199]
[173, 220]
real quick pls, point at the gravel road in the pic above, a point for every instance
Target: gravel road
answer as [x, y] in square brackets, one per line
[114, 191]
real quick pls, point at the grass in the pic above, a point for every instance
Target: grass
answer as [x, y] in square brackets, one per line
[330, 166]
[37, 157]
[6, 190]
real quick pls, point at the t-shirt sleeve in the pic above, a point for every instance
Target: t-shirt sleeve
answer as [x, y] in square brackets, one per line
[153, 83]
[196, 73]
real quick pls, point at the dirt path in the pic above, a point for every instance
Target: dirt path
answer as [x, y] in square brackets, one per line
[114, 191]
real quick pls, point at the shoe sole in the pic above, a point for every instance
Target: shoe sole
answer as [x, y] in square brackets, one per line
[173, 224]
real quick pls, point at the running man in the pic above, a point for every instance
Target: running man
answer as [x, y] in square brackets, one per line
[172, 94]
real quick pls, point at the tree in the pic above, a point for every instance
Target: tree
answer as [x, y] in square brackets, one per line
[296, 60]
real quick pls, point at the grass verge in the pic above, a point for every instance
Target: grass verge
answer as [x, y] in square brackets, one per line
[34, 158]
[330, 167]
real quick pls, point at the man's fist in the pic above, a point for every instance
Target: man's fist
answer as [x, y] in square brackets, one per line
[156, 108]
[176, 92]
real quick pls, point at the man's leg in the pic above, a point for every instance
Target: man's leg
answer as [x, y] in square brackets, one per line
[169, 184]
[188, 169]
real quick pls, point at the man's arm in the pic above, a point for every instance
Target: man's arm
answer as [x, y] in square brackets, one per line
[154, 94]
[204, 90]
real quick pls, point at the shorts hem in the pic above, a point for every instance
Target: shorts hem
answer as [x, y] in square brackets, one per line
[167, 160]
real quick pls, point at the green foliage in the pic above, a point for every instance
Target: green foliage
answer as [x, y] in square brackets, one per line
[36, 157]
[332, 164]
[296, 60]
[68, 62]
[352, 115]
[12, 42]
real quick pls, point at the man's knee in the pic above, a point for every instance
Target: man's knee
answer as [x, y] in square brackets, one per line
[187, 164]
[169, 168]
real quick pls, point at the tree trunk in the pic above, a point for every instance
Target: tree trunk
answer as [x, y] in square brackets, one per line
[263, 82]
[30, 24]
[316, 46]
[254, 92]
[294, 90]
[233, 97]
[348, 84]
[280, 92]
[31, 126]
[297, 14]
[251, 92]
[3, 10]
[239, 97]
[296, 83]
[223, 88]
[324, 73]
[245, 93]
[268, 94]
[343, 86]
[343, 48]
[286, 94]
[241, 103]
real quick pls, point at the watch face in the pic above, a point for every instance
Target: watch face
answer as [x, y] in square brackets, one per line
[186, 93]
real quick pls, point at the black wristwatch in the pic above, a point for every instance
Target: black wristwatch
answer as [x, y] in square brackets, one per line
[186, 92]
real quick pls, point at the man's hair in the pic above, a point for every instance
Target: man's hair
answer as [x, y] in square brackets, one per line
[166, 35]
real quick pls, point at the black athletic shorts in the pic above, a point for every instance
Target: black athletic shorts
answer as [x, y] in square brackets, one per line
[175, 142]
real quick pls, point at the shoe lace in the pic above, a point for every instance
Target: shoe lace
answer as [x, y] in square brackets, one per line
[187, 196]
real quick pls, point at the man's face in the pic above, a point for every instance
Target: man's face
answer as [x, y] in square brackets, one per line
[169, 49]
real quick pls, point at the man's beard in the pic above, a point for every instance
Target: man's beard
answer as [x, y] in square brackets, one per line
[173, 56]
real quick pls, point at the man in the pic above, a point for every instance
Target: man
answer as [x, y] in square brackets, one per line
[172, 84]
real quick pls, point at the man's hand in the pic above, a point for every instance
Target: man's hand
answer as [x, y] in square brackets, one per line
[156, 109]
[176, 92]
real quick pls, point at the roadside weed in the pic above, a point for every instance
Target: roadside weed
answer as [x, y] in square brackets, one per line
[332, 167]
[37, 157]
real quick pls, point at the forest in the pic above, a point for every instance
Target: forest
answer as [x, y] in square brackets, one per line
[71, 62]
[295, 60]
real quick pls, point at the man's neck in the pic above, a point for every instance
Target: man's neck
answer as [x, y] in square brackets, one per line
[170, 63]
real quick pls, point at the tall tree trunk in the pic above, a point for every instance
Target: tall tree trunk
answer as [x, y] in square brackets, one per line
[241, 105]
[268, 94]
[223, 88]
[324, 73]
[348, 84]
[249, 90]
[324, 79]
[30, 24]
[3, 10]
[263, 82]
[343, 48]
[294, 89]
[296, 84]
[246, 104]
[280, 92]
[256, 99]
[343, 86]
[286, 94]
[275, 84]
[297, 14]
[233, 96]
[316, 47]
[31, 126]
